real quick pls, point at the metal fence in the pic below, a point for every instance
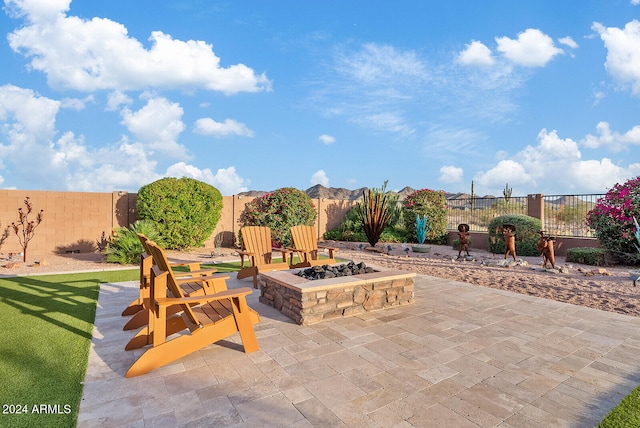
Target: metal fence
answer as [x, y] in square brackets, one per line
[564, 215]
[478, 212]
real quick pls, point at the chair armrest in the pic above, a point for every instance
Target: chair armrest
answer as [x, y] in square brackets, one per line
[195, 272]
[206, 298]
[324, 247]
[203, 278]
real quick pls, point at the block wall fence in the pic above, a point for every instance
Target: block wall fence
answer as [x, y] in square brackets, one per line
[74, 221]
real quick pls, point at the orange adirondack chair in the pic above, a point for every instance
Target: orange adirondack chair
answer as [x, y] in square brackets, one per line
[145, 275]
[209, 319]
[188, 281]
[305, 243]
[256, 241]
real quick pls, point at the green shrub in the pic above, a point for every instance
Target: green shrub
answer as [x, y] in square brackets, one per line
[612, 217]
[279, 211]
[184, 211]
[527, 229]
[427, 202]
[125, 248]
[587, 256]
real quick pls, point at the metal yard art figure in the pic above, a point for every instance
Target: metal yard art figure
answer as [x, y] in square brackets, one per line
[509, 234]
[546, 246]
[463, 235]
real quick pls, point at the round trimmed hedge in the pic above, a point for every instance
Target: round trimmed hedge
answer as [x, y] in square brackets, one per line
[183, 210]
[527, 229]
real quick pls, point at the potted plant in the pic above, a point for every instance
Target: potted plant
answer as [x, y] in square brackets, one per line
[635, 274]
[421, 235]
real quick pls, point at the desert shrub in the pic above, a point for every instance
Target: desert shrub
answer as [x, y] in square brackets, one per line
[427, 202]
[124, 247]
[587, 256]
[376, 210]
[527, 229]
[352, 230]
[280, 210]
[184, 211]
[612, 218]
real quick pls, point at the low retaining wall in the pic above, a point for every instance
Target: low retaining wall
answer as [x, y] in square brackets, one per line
[308, 302]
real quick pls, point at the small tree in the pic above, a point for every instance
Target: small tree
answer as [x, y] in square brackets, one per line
[24, 228]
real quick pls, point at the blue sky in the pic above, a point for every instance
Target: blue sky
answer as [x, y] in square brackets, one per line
[103, 96]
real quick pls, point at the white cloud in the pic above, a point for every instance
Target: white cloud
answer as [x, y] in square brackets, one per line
[319, 177]
[623, 53]
[122, 167]
[635, 2]
[450, 174]
[533, 48]
[614, 141]
[89, 55]
[20, 104]
[157, 125]
[476, 53]
[226, 180]
[568, 41]
[327, 139]
[554, 165]
[208, 126]
[76, 103]
[116, 99]
[377, 62]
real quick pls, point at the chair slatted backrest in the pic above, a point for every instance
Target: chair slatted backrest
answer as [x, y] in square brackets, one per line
[304, 238]
[161, 265]
[257, 240]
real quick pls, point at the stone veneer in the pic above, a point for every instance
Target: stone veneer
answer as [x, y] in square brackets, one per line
[308, 302]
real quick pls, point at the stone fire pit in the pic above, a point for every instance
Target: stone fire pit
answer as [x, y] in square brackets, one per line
[311, 301]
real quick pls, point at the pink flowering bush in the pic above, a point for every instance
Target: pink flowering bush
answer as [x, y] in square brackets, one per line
[612, 218]
[280, 210]
[427, 202]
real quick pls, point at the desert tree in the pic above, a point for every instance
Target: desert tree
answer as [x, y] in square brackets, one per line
[25, 228]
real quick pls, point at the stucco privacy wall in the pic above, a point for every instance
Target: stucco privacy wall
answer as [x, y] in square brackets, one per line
[74, 221]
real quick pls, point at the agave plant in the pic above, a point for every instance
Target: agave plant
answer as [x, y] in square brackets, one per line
[421, 228]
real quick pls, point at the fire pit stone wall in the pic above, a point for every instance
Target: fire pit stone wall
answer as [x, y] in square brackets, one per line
[308, 302]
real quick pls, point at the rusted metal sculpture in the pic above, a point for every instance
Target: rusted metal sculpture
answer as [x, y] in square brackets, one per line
[463, 235]
[546, 246]
[509, 234]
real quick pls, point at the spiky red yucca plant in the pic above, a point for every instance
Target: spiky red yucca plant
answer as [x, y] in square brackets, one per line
[375, 210]
[25, 229]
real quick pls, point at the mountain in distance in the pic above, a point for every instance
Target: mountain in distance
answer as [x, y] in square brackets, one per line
[340, 193]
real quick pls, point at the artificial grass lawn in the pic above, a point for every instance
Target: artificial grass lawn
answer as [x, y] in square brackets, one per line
[47, 324]
[626, 414]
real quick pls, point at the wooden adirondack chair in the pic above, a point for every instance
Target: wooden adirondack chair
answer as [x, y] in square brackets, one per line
[209, 318]
[256, 241]
[190, 282]
[305, 243]
[145, 276]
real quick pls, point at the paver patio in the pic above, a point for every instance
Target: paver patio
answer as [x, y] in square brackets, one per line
[462, 355]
